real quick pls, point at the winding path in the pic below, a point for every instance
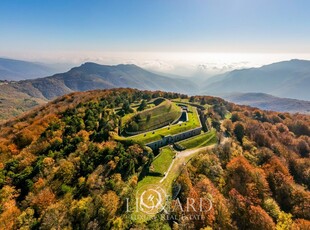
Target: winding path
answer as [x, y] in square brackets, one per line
[182, 158]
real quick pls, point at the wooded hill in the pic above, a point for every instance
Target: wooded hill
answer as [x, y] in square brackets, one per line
[61, 168]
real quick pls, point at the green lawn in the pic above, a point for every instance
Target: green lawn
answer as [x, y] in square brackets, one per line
[127, 117]
[200, 140]
[186, 102]
[162, 162]
[193, 122]
[160, 165]
[163, 114]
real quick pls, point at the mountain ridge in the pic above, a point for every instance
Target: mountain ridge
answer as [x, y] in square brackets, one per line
[91, 76]
[15, 70]
[269, 102]
[288, 79]
[88, 76]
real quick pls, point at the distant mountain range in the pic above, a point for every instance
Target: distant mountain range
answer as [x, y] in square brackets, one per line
[15, 70]
[289, 79]
[269, 102]
[94, 76]
[88, 76]
[247, 86]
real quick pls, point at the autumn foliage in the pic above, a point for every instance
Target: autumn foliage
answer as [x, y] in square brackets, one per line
[61, 167]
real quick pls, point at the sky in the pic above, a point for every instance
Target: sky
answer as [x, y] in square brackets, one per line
[164, 34]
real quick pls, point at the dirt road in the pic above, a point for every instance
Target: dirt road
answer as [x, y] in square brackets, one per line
[182, 158]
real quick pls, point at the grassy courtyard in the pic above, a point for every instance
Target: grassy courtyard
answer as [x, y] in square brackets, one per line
[193, 122]
[162, 162]
[200, 140]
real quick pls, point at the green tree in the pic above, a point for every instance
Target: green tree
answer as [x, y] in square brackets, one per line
[216, 124]
[143, 105]
[239, 132]
[126, 107]
[82, 211]
[203, 101]
[235, 117]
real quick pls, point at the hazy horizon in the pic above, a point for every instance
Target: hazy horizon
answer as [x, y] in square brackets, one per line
[176, 63]
[177, 37]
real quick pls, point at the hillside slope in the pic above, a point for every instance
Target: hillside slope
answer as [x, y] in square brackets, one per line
[289, 79]
[62, 168]
[90, 76]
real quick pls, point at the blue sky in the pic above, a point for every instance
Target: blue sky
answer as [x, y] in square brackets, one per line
[57, 27]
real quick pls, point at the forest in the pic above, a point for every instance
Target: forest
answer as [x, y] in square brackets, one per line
[62, 168]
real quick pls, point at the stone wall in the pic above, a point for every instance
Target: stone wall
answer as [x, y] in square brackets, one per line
[174, 138]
